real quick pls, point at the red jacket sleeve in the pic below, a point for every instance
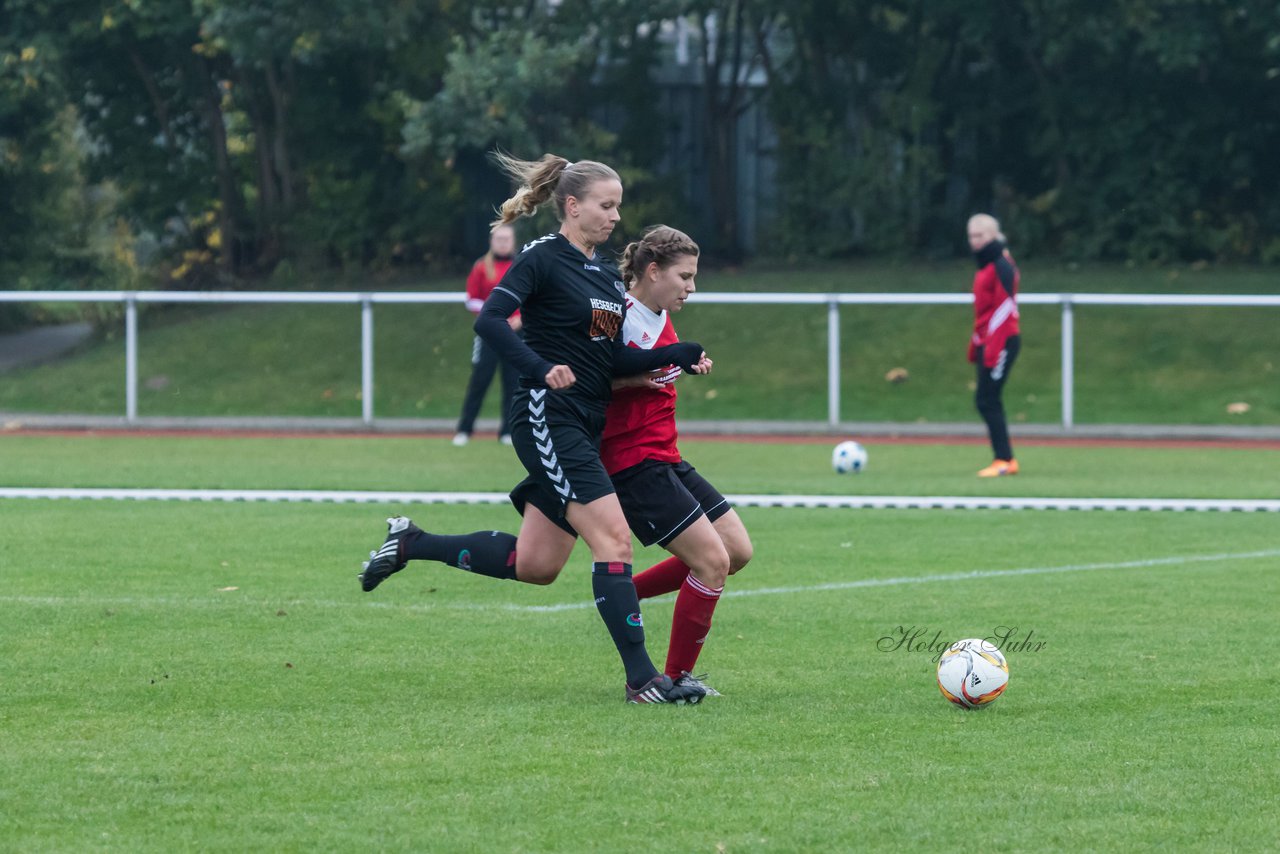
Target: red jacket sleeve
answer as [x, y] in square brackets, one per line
[475, 288]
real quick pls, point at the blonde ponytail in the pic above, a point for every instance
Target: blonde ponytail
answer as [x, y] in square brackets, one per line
[549, 177]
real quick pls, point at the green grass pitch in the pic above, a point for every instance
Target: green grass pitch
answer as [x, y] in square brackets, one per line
[208, 676]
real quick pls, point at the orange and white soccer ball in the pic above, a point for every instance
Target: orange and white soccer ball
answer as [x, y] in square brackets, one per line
[972, 673]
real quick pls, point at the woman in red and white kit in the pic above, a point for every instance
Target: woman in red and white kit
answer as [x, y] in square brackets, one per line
[663, 497]
[996, 340]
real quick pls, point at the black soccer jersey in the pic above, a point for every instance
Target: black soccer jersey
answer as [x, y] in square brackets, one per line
[572, 308]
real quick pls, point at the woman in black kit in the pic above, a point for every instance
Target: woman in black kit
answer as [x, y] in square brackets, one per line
[572, 301]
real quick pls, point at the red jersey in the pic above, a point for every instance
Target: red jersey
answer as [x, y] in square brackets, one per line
[640, 423]
[480, 284]
[995, 309]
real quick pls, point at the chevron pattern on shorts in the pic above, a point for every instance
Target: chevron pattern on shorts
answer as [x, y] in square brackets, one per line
[542, 441]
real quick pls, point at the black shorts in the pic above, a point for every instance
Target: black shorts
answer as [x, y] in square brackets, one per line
[661, 499]
[558, 442]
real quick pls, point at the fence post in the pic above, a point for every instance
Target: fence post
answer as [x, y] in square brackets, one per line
[833, 362]
[366, 359]
[1068, 363]
[130, 358]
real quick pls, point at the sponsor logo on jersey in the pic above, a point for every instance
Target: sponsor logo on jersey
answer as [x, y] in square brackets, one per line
[606, 319]
[604, 324]
[672, 374]
[591, 267]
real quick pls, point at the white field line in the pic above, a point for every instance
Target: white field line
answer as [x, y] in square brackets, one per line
[959, 576]
[169, 601]
[875, 502]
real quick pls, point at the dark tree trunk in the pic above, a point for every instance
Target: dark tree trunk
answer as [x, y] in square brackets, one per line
[237, 249]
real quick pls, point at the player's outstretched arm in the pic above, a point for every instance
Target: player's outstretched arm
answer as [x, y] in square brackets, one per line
[628, 361]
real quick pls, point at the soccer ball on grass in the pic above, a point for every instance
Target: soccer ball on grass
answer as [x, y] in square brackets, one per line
[848, 457]
[972, 673]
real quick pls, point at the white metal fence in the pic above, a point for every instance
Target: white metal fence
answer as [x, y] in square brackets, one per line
[832, 302]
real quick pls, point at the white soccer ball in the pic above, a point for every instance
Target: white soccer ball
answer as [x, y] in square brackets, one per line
[849, 457]
[972, 673]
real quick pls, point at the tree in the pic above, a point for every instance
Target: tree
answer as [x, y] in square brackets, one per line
[853, 96]
[33, 133]
[57, 229]
[220, 120]
[734, 58]
[1157, 127]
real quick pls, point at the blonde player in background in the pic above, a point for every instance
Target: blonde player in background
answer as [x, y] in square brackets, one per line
[996, 340]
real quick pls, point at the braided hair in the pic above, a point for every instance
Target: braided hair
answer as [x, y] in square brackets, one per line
[662, 244]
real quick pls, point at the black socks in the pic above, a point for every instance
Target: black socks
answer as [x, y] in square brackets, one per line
[491, 553]
[620, 609]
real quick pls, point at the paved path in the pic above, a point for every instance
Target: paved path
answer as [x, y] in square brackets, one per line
[33, 346]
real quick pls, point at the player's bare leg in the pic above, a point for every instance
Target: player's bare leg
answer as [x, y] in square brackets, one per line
[542, 549]
[737, 542]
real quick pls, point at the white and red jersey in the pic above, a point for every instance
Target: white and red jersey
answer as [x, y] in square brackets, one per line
[640, 423]
[995, 307]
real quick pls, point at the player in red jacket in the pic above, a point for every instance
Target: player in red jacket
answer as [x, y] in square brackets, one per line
[666, 501]
[485, 274]
[996, 341]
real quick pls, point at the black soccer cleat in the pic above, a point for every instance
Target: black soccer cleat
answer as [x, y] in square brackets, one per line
[388, 560]
[660, 689]
[688, 680]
